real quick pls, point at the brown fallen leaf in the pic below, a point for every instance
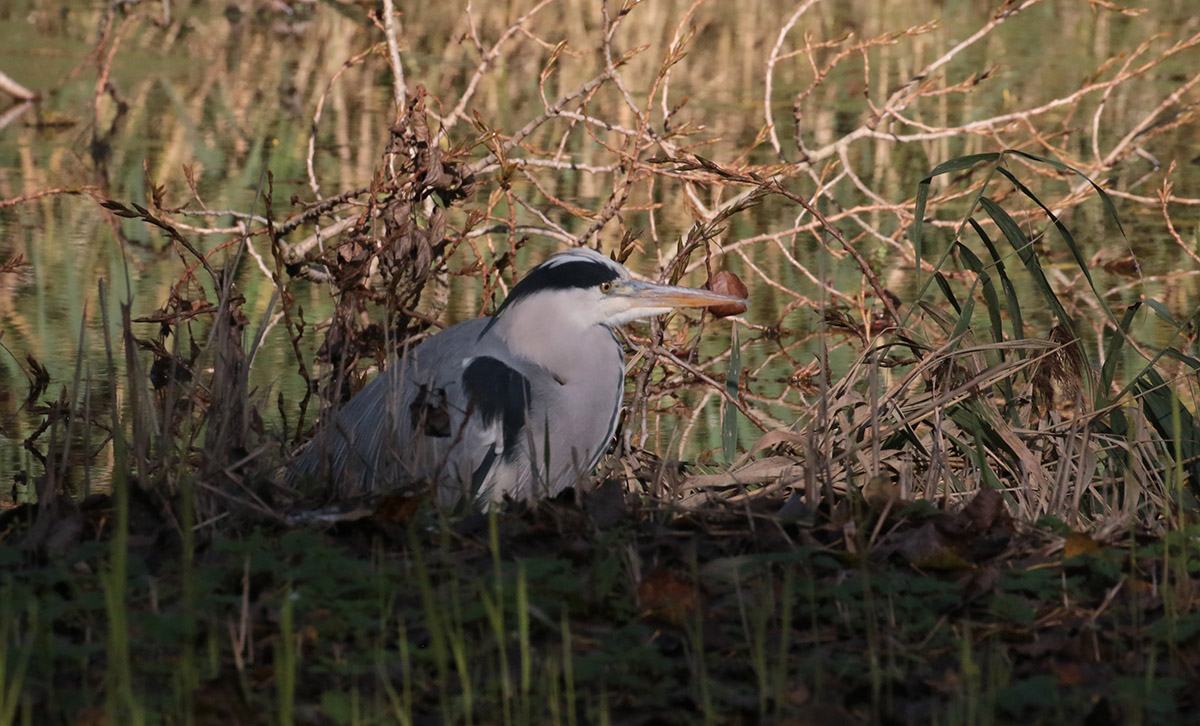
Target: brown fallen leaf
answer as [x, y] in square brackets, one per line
[1077, 544]
[1070, 674]
[666, 597]
[919, 543]
[925, 549]
[881, 491]
[984, 508]
[396, 509]
[980, 583]
[91, 716]
[944, 559]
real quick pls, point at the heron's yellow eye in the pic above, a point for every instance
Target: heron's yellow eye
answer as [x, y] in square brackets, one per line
[606, 287]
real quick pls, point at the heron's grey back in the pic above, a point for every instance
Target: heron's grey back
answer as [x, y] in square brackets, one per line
[465, 413]
[371, 442]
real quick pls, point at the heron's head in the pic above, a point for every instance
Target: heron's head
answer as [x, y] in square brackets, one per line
[583, 287]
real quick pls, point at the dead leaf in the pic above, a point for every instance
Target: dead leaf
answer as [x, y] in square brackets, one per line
[1078, 543]
[924, 548]
[396, 509]
[984, 508]
[881, 491]
[605, 505]
[665, 597]
[91, 716]
[980, 583]
[943, 559]
[1071, 674]
[919, 543]
[774, 438]
[727, 283]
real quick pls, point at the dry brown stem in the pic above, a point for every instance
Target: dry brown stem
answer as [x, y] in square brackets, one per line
[14, 89]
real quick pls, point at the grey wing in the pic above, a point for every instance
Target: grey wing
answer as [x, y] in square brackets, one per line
[444, 415]
[389, 434]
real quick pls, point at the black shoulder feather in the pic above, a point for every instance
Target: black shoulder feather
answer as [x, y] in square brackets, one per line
[497, 392]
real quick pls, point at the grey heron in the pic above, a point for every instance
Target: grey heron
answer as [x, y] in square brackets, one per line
[522, 404]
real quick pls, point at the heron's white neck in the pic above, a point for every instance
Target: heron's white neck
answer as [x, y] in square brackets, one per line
[552, 330]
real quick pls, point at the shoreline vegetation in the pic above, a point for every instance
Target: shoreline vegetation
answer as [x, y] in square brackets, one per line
[944, 470]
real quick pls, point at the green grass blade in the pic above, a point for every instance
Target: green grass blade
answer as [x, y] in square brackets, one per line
[918, 231]
[964, 317]
[971, 417]
[1163, 312]
[1024, 248]
[944, 286]
[989, 292]
[729, 422]
[1067, 237]
[1112, 352]
[285, 661]
[1182, 357]
[1174, 424]
[11, 682]
[1012, 302]
[962, 163]
[1104, 198]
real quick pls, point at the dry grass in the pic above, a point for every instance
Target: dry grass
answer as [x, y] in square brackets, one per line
[398, 207]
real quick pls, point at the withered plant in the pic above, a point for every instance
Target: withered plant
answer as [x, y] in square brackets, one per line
[422, 199]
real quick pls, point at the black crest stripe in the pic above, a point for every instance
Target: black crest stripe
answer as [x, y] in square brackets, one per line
[561, 276]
